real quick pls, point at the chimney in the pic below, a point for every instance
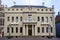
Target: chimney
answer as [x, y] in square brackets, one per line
[43, 4]
[58, 13]
[53, 6]
[14, 3]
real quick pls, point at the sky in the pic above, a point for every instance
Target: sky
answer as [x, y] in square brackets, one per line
[48, 3]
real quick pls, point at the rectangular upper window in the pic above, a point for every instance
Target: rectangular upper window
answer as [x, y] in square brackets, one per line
[38, 19]
[8, 18]
[29, 17]
[51, 18]
[12, 19]
[21, 18]
[16, 19]
[46, 19]
[42, 19]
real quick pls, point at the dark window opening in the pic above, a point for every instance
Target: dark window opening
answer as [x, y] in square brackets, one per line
[51, 30]
[20, 29]
[42, 19]
[38, 18]
[47, 29]
[12, 29]
[8, 29]
[38, 29]
[8, 18]
[20, 18]
[42, 29]
[16, 29]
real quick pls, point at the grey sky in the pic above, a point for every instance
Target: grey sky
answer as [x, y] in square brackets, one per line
[48, 3]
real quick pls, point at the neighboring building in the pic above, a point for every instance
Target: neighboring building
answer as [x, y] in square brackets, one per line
[1, 18]
[27, 20]
[57, 19]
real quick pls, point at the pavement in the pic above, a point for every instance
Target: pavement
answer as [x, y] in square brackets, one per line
[29, 38]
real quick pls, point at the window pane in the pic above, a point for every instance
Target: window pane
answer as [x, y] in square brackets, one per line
[42, 29]
[8, 29]
[20, 18]
[38, 29]
[38, 18]
[20, 29]
[8, 18]
[46, 19]
[12, 19]
[47, 29]
[42, 19]
[51, 18]
[51, 30]
[12, 29]
[29, 17]
[16, 19]
[16, 29]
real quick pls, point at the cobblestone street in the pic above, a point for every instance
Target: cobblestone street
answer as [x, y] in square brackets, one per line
[30, 38]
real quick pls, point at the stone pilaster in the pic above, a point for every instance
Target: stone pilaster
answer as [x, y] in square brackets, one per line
[35, 30]
[23, 30]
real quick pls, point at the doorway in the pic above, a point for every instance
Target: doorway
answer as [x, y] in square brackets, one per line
[29, 30]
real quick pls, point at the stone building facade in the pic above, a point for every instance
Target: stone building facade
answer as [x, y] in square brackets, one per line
[28, 20]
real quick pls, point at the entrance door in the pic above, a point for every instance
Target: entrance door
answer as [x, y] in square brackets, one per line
[29, 30]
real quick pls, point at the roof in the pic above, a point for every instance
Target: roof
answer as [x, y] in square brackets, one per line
[18, 6]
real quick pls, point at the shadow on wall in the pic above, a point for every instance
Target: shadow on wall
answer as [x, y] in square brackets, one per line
[58, 29]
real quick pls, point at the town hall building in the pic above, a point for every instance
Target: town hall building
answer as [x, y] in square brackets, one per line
[29, 20]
